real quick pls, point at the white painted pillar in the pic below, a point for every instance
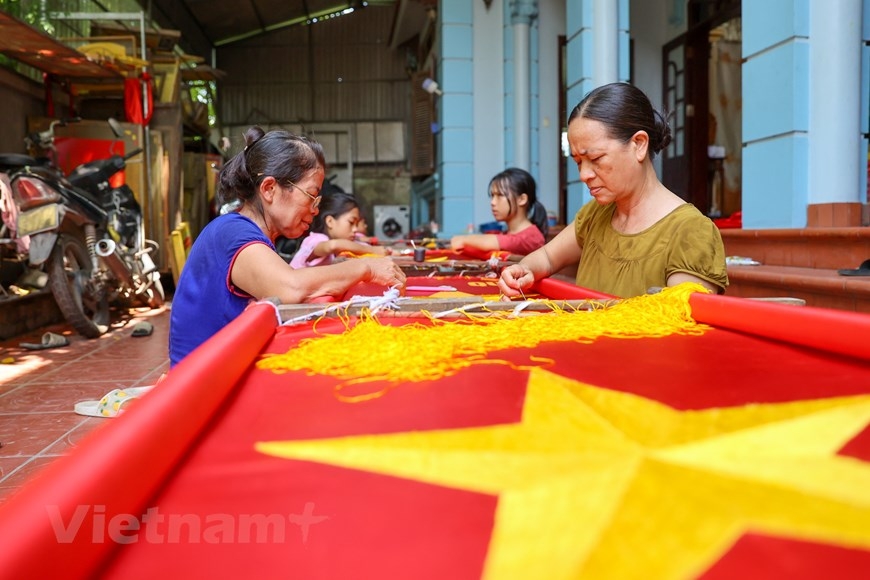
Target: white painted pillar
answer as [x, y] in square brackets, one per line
[605, 23]
[522, 102]
[835, 168]
[522, 14]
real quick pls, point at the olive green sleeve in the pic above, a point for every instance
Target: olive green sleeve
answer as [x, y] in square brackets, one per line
[697, 249]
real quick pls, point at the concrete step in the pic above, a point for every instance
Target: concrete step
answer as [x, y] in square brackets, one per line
[826, 248]
[817, 286]
[801, 263]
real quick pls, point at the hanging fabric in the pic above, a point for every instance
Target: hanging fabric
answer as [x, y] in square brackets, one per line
[133, 99]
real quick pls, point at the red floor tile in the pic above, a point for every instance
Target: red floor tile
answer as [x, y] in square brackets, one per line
[39, 389]
[19, 478]
[9, 464]
[31, 433]
[54, 397]
[75, 436]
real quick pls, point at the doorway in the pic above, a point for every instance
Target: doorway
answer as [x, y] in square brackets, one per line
[702, 95]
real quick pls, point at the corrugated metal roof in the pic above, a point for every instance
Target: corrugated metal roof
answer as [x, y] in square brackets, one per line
[327, 72]
[208, 23]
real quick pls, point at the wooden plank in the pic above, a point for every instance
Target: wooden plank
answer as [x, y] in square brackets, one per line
[453, 307]
[22, 42]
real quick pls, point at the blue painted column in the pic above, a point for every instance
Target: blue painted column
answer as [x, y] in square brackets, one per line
[864, 153]
[454, 141]
[597, 33]
[775, 113]
[801, 109]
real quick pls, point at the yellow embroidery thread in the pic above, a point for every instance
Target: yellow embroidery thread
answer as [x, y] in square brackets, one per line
[369, 351]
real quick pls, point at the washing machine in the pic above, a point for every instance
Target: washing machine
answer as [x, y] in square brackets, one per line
[392, 222]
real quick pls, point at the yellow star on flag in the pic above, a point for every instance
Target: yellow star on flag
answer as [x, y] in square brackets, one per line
[605, 484]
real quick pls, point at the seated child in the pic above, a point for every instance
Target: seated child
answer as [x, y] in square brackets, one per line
[332, 232]
[362, 232]
[513, 200]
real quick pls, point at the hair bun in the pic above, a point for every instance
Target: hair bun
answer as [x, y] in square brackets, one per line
[664, 132]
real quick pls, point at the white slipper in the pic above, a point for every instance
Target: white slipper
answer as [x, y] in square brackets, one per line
[49, 340]
[112, 404]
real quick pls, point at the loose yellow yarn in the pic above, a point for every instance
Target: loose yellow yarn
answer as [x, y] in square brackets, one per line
[370, 351]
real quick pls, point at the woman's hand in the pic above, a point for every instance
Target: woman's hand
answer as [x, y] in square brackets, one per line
[457, 243]
[513, 279]
[385, 272]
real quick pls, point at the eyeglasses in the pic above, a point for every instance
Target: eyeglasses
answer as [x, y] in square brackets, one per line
[315, 199]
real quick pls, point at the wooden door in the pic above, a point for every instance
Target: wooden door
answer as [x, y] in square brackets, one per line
[686, 85]
[686, 101]
[675, 172]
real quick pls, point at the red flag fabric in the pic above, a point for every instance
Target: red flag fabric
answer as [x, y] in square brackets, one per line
[720, 454]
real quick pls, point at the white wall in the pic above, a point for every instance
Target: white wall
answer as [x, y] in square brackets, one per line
[653, 23]
[488, 103]
[551, 24]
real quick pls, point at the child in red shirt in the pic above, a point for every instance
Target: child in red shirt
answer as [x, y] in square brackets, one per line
[513, 200]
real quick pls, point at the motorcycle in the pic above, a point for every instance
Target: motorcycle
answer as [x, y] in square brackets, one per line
[87, 235]
[14, 248]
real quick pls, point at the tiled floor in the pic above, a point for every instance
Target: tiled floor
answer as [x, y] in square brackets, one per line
[39, 388]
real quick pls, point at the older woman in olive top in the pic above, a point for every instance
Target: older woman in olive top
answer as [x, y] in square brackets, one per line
[635, 234]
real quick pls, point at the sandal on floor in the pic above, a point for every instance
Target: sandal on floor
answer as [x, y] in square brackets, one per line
[49, 340]
[862, 270]
[143, 329]
[112, 404]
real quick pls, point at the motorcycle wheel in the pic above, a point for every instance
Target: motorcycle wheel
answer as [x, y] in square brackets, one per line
[83, 306]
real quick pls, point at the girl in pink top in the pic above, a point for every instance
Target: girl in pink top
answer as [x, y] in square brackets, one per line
[513, 199]
[333, 231]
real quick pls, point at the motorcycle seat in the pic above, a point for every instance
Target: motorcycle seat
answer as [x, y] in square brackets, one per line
[13, 160]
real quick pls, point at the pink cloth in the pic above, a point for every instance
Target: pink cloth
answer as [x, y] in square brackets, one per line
[10, 215]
